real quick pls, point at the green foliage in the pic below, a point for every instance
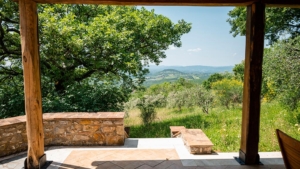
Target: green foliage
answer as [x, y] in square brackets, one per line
[202, 98]
[179, 94]
[11, 97]
[81, 97]
[92, 56]
[147, 105]
[127, 36]
[268, 90]
[223, 126]
[228, 91]
[281, 62]
[282, 67]
[214, 78]
[87, 98]
[11, 86]
[130, 104]
[167, 87]
[163, 88]
[179, 99]
[279, 22]
[238, 71]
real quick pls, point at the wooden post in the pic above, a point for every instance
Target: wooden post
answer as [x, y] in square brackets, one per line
[252, 83]
[32, 83]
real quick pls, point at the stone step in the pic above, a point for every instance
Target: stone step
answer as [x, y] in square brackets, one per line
[194, 139]
[175, 131]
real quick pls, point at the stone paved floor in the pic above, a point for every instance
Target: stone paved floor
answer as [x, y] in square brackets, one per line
[159, 153]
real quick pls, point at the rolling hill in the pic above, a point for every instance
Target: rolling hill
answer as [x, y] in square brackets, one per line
[192, 69]
[160, 74]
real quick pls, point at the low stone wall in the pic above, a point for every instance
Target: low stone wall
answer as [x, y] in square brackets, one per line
[69, 129]
[13, 137]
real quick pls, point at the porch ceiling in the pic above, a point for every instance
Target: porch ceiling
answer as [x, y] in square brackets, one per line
[273, 3]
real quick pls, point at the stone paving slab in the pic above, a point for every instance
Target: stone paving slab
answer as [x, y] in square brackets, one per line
[126, 158]
[161, 153]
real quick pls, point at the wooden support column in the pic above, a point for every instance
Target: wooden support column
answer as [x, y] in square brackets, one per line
[32, 83]
[252, 83]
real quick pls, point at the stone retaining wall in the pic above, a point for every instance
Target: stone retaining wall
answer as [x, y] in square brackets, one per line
[69, 129]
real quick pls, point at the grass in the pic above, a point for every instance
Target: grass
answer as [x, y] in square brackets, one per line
[221, 125]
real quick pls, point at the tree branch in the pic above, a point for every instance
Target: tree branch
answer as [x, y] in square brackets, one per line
[13, 30]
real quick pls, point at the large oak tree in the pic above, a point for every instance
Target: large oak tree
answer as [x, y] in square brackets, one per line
[86, 45]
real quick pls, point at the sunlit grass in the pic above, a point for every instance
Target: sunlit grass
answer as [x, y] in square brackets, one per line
[221, 125]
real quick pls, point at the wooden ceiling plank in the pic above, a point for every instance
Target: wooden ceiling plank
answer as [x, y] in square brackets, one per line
[155, 2]
[271, 3]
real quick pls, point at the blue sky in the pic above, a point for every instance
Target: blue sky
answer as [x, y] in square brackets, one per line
[209, 41]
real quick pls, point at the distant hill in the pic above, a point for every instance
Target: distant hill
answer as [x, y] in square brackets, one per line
[160, 74]
[169, 71]
[192, 69]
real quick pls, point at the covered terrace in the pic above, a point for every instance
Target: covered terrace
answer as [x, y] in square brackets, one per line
[252, 82]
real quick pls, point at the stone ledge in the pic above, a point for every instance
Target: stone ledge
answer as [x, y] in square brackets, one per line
[84, 115]
[12, 120]
[72, 129]
[66, 115]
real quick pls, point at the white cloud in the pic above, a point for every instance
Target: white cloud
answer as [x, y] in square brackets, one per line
[234, 54]
[172, 47]
[194, 50]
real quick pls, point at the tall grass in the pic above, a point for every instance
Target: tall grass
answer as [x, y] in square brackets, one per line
[221, 125]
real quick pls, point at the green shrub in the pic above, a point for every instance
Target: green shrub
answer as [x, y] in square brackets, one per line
[202, 98]
[147, 105]
[228, 91]
[178, 99]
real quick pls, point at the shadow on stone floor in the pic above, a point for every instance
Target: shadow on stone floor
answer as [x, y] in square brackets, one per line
[65, 166]
[12, 158]
[180, 164]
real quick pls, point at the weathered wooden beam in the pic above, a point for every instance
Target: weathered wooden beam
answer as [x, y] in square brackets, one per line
[282, 3]
[252, 83]
[32, 82]
[156, 2]
[275, 3]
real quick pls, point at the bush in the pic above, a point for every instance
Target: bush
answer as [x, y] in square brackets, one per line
[281, 68]
[228, 91]
[202, 98]
[147, 105]
[85, 97]
[178, 99]
[131, 104]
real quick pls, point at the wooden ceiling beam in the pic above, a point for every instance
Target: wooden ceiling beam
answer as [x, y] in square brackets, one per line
[155, 2]
[282, 3]
[271, 3]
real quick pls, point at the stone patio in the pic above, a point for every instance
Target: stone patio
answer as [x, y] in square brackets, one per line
[160, 153]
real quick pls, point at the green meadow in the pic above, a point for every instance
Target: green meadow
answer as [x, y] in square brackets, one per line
[221, 125]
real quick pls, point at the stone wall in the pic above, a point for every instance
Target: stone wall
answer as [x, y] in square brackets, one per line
[69, 129]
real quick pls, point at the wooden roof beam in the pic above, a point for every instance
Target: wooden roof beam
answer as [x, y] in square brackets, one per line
[155, 2]
[282, 3]
[271, 3]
